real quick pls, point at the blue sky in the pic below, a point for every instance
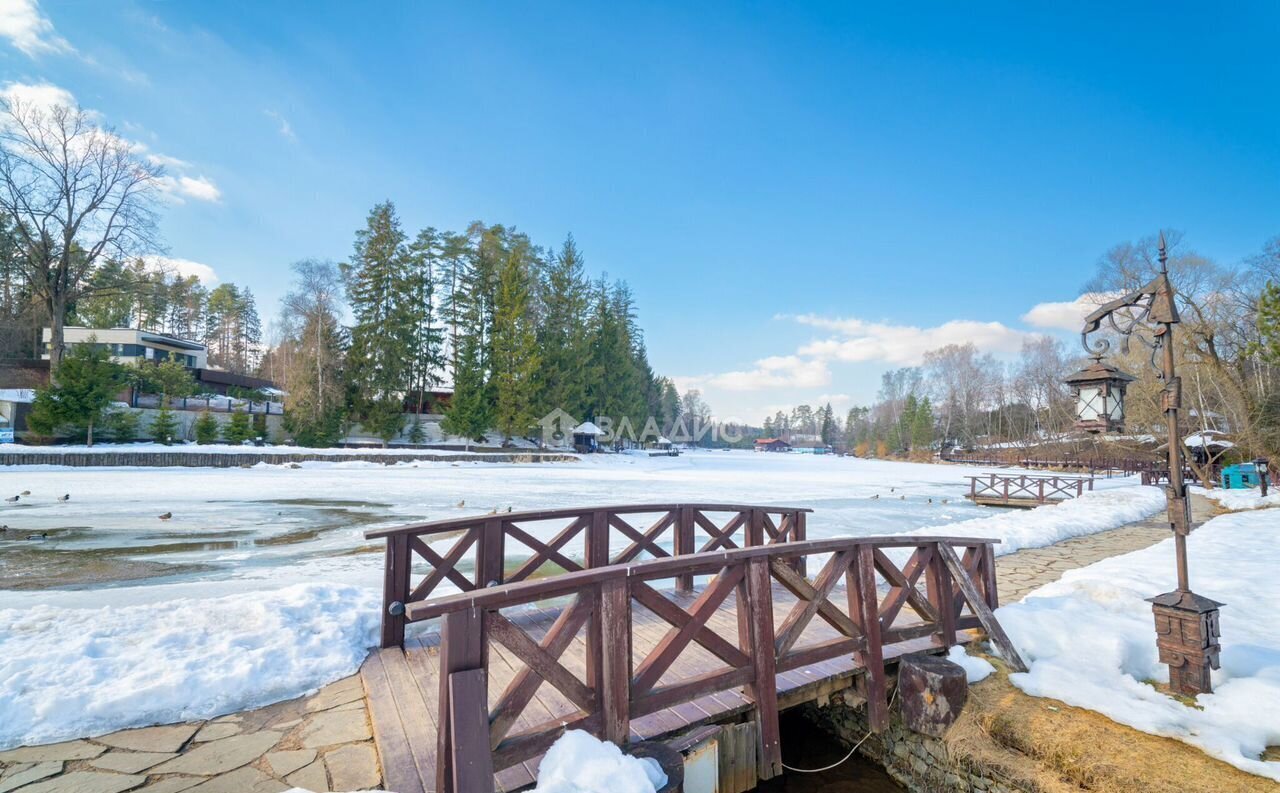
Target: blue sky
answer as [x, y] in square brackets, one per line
[801, 195]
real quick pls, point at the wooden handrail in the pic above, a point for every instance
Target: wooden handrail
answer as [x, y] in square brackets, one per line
[455, 524]
[488, 541]
[956, 572]
[524, 592]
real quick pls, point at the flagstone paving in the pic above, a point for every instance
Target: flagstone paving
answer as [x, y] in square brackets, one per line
[320, 743]
[1031, 568]
[324, 742]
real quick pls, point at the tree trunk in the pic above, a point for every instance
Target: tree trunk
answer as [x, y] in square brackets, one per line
[90, 432]
[57, 319]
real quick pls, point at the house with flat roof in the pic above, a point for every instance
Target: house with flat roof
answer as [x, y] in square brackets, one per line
[128, 345]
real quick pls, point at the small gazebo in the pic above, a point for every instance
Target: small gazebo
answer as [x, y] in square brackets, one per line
[586, 438]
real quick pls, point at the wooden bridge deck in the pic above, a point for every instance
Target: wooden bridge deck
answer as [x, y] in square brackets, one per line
[403, 686]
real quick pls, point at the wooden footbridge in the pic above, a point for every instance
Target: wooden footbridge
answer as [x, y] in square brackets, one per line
[643, 622]
[1025, 490]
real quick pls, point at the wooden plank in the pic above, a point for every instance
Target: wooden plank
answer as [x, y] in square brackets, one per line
[469, 723]
[976, 602]
[400, 768]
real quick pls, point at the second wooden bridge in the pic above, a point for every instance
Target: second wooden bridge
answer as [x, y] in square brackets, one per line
[1025, 490]
[642, 622]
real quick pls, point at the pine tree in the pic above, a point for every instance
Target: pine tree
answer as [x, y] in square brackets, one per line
[1269, 323]
[86, 382]
[380, 292]
[426, 351]
[562, 335]
[922, 427]
[164, 426]
[827, 425]
[121, 426]
[515, 352]
[468, 415]
[206, 428]
[238, 429]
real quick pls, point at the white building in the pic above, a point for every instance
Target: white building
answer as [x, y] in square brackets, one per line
[128, 345]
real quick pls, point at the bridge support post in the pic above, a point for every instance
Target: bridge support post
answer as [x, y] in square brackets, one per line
[864, 606]
[395, 589]
[756, 639]
[684, 545]
[614, 684]
[941, 589]
[462, 649]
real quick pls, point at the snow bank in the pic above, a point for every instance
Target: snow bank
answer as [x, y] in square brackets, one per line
[1090, 640]
[1238, 499]
[68, 673]
[975, 669]
[1095, 511]
[579, 763]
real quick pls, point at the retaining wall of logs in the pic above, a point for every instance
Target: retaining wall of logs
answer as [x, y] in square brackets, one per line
[249, 457]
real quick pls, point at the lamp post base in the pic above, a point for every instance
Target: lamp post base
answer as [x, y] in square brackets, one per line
[1187, 638]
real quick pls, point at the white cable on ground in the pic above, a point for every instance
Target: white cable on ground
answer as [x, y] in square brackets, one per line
[842, 759]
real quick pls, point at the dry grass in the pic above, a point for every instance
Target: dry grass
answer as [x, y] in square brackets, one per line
[1045, 746]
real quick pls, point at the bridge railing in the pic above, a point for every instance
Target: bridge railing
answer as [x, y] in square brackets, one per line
[948, 583]
[554, 542]
[1028, 487]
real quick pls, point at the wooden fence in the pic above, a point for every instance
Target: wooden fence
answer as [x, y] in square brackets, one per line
[1025, 489]
[582, 538]
[476, 739]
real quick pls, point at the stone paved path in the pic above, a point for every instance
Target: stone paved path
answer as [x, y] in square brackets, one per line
[1025, 570]
[324, 742]
[319, 743]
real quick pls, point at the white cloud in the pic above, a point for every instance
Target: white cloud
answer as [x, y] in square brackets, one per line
[778, 371]
[177, 184]
[40, 95]
[181, 187]
[23, 24]
[1066, 316]
[185, 267]
[167, 161]
[859, 341]
[285, 128]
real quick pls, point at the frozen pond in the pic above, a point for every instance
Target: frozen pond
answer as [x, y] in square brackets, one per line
[271, 523]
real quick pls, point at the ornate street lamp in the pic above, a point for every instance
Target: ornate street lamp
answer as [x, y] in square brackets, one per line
[1099, 393]
[1186, 623]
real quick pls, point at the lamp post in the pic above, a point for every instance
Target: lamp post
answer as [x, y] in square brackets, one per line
[1186, 624]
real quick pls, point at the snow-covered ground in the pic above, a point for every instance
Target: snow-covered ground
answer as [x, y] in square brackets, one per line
[578, 762]
[1241, 498]
[1090, 639]
[261, 587]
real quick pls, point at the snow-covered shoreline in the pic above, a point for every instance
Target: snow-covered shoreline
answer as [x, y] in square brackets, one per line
[1090, 639]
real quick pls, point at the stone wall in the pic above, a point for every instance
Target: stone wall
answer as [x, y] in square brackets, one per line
[920, 763]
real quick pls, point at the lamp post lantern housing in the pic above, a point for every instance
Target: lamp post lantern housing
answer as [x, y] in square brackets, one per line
[1099, 393]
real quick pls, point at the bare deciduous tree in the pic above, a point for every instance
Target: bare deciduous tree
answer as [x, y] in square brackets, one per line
[79, 194]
